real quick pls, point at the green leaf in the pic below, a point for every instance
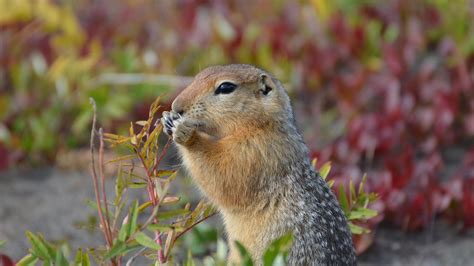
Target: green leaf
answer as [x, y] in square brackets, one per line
[208, 211]
[2, 243]
[146, 241]
[60, 260]
[170, 214]
[352, 192]
[85, 259]
[123, 233]
[152, 138]
[78, 258]
[119, 187]
[117, 249]
[343, 200]
[362, 213]
[279, 248]
[28, 260]
[82, 258]
[358, 230]
[49, 247]
[38, 248]
[134, 217]
[137, 184]
[164, 228]
[246, 259]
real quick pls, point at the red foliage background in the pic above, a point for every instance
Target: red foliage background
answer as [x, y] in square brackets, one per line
[384, 88]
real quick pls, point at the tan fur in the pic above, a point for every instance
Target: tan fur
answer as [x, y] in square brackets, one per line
[242, 150]
[219, 161]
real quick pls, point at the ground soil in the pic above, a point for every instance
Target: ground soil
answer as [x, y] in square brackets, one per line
[52, 202]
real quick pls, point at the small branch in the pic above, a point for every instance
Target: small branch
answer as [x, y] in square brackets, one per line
[161, 255]
[193, 225]
[102, 179]
[153, 198]
[150, 186]
[105, 227]
[94, 174]
[162, 155]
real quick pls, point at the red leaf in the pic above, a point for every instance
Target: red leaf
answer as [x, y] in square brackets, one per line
[5, 260]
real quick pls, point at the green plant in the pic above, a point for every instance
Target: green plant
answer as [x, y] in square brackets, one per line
[152, 227]
[148, 228]
[355, 204]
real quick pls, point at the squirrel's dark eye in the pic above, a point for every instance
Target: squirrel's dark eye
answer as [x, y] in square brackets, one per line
[225, 88]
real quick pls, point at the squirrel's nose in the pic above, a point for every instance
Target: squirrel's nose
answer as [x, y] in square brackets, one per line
[177, 108]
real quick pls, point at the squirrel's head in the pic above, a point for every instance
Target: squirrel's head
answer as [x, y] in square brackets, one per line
[229, 97]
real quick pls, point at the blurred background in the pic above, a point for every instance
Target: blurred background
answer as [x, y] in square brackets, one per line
[383, 88]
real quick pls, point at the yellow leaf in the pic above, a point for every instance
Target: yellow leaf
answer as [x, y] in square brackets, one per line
[144, 206]
[141, 123]
[170, 199]
[132, 131]
[330, 183]
[133, 140]
[121, 158]
[324, 171]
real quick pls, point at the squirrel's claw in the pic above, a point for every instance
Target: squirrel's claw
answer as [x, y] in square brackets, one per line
[182, 130]
[167, 122]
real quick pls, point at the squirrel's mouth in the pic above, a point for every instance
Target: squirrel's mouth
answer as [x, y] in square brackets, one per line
[176, 116]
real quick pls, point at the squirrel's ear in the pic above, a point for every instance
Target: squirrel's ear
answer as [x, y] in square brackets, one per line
[266, 84]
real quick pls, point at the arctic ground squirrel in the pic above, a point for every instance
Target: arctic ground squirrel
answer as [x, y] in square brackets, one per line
[235, 131]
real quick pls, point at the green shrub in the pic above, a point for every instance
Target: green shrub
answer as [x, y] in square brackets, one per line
[151, 229]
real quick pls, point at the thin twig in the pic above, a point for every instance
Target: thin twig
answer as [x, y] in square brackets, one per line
[96, 181]
[153, 198]
[193, 225]
[102, 180]
[162, 155]
[161, 255]
[94, 173]
[150, 186]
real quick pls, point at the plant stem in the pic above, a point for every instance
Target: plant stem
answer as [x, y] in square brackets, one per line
[193, 225]
[102, 179]
[96, 181]
[162, 155]
[153, 197]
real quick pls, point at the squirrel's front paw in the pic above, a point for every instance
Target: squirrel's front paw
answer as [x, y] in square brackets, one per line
[185, 130]
[182, 130]
[167, 120]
